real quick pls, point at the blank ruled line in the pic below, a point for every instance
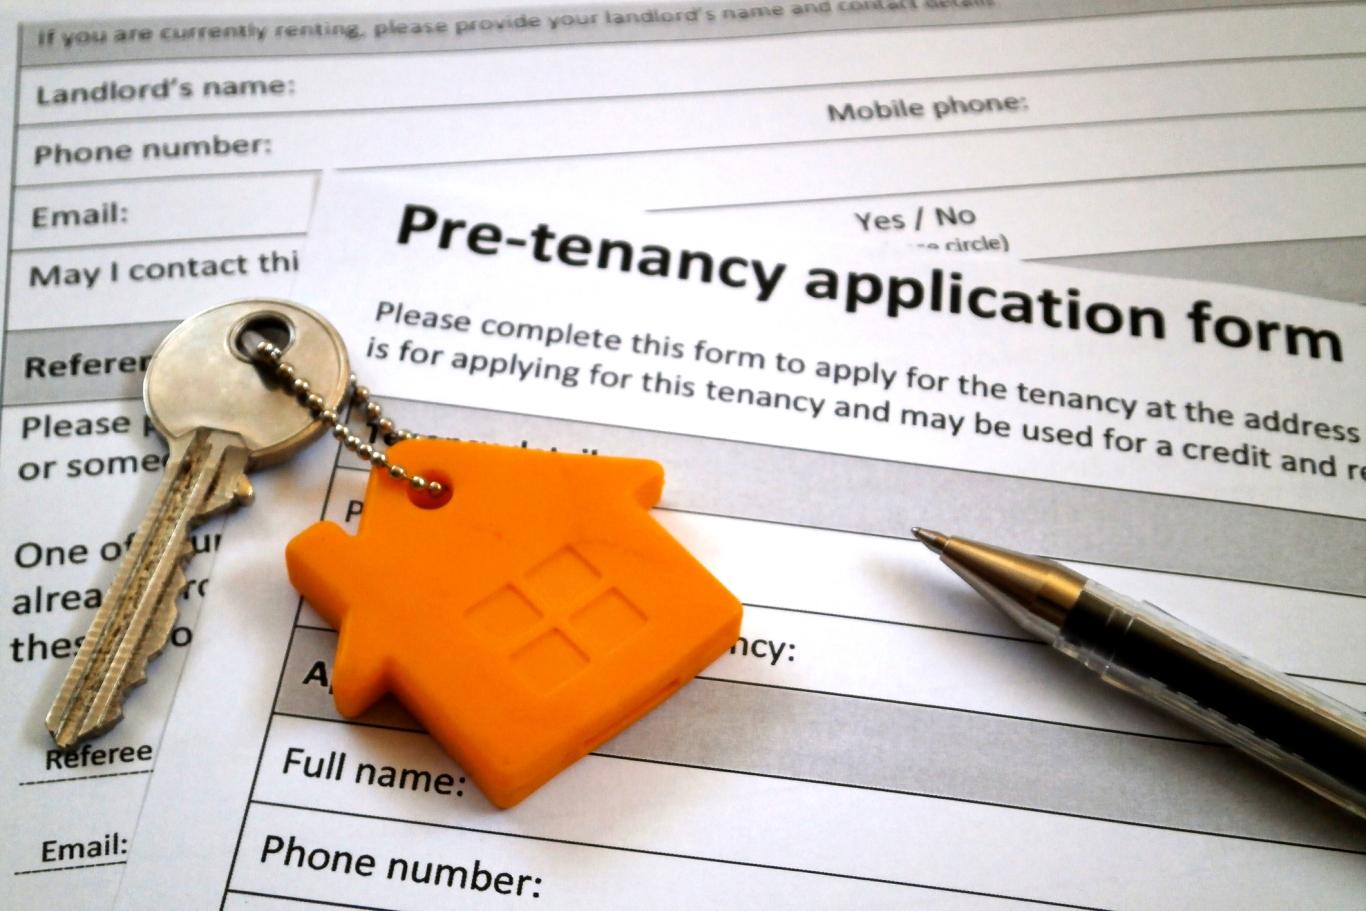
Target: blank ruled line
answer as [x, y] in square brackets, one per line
[35, 781]
[1274, 242]
[1030, 185]
[960, 710]
[148, 243]
[990, 803]
[354, 723]
[109, 863]
[309, 901]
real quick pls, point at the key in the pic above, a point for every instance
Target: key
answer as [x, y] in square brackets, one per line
[222, 415]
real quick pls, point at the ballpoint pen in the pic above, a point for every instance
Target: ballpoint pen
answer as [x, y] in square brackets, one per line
[1297, 730]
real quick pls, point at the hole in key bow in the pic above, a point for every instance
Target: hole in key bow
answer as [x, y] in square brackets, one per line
[262, 327]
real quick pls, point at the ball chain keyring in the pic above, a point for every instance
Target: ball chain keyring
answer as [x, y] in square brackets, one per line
[272, 356]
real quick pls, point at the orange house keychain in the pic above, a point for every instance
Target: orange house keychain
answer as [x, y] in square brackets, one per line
[523, 605]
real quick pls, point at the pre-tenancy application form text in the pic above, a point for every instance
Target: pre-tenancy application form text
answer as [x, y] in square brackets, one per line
[160, 165]
[877, 737]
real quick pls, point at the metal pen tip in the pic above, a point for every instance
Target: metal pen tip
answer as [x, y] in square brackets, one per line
[931, 539]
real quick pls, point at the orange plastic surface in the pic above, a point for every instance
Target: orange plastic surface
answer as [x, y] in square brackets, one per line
[524, 622]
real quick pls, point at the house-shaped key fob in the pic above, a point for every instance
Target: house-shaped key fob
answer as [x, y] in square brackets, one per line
[525, 620]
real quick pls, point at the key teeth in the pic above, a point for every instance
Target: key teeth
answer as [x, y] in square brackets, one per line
[139, 610]
[92, 731]
[158, 632]
[113, 712]
[231, 489]
[68, 736]
[153, 643]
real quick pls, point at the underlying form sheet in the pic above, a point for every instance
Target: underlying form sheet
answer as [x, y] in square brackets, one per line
[878, 736]
[161, 165]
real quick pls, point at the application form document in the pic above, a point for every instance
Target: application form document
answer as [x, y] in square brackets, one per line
[159, 163]
[877, 737]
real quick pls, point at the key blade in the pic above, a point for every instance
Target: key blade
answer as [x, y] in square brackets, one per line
[138, 612]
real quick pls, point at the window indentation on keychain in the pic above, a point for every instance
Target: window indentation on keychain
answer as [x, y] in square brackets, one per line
[549, 660]
[607, 621]
[561, 578]
[503, 614]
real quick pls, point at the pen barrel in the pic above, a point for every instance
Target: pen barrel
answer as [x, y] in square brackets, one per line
[1296, 729]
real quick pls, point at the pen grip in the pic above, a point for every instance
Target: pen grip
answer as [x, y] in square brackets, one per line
[1296, 729]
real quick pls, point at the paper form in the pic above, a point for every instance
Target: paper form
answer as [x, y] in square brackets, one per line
[1147, 136]
[878, 736]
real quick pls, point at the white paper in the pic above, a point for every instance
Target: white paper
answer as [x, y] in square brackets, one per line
[1145, 136]
[879, 737]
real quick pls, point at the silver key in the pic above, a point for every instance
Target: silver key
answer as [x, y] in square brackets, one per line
[222, 416]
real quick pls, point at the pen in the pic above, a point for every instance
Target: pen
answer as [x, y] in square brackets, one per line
[1297, 730]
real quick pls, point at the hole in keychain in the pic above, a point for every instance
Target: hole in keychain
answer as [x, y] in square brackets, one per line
[261, 327]
[423, 499]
